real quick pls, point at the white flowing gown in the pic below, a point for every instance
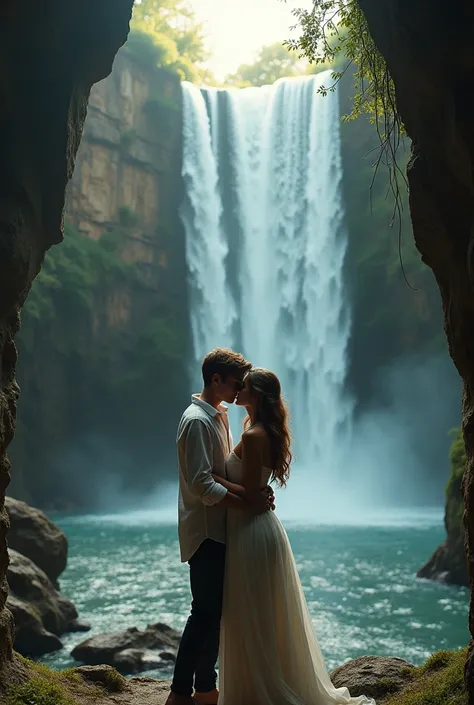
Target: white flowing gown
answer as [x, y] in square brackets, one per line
[269, 653]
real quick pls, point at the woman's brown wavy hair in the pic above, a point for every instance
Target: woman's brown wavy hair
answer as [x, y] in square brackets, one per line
[272, 413]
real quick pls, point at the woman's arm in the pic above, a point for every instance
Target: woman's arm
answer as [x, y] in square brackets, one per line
[231, 486]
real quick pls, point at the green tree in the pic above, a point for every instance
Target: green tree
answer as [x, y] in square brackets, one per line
[337, 29]
[273, 62]
[177, 39]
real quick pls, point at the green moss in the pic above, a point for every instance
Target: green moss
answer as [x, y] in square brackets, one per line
[454, 498]
[388, 685]
[408, 671]
[458, 459]
[50, 687]
[440, 681]
[438, 660]
[39, 691]
[127, 217]
[114, 682]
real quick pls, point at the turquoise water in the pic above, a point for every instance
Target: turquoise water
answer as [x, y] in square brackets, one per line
[359, 581]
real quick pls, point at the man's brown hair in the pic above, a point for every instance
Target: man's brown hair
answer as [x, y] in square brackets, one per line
[224, 362]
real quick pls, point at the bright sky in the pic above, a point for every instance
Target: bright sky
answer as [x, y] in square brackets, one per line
[237, 29]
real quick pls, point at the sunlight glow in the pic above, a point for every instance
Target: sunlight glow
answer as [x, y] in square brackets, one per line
[237, 29]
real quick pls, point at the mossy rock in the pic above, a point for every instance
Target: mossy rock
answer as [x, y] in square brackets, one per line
[105, 676]
[454, 499]
[448, 563]
[372, 676]
[440, 681]
[49, 687]
[392, 681]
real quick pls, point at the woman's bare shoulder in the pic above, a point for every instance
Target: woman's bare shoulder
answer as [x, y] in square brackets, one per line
[255, 436]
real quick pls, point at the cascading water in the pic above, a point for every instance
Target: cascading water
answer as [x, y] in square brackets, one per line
[212, 308]
[265, 245]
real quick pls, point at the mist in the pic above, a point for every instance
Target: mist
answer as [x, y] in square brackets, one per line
[395, 460]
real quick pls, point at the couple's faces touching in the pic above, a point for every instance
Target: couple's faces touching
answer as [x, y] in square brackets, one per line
[232, 389]
[246, 396]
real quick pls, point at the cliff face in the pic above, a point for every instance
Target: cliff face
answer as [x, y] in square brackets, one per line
[431, 63]
[128, 344]
[130, 155]
[64, 49]
[448, 563]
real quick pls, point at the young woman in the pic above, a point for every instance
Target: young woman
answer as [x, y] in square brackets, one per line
[269, 653]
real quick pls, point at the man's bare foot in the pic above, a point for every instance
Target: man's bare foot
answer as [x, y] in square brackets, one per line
[174, 699]
[210, 698]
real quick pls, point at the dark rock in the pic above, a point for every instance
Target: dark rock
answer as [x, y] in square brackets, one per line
[447, 565]
[168, 656]
[78, 626]
[40, 612]
[37, 537]
[31, 638]
[437, 116]
[138, 660]
[78, 44]
[373, 676]
[132, 650]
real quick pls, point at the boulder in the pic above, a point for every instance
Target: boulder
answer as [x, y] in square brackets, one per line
[131, 651]
[374, 676]
[36, 537]
[31, 638]
[40, 612]
[447, 565]
[139, 660]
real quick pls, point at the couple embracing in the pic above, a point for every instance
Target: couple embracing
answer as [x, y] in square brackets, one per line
[248, 606]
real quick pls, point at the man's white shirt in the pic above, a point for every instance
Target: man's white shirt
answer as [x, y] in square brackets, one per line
[204, 441]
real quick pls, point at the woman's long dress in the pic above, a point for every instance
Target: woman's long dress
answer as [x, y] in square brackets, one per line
[269, 653]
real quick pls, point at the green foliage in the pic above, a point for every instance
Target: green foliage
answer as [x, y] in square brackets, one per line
[75, 281]
[336, 32]
[103, 333]
[440, 681]
[146, 50]
[273, 62]
[127, 217]
[458, 460]
[71, 276]
[166, 34]
[454, 498]
[337, 28]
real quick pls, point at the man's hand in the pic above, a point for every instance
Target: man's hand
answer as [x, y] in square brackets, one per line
[263, 500]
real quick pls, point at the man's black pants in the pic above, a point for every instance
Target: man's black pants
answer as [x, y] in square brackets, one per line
[199, 646]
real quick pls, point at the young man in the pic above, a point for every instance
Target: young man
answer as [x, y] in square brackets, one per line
[204, 441]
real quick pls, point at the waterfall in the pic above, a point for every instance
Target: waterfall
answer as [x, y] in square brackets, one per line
[212, 308]
[265, 247]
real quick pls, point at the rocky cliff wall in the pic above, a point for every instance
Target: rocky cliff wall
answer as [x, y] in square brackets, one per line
[50, 55]
[431, 61]
[128, 342]
[130, 149]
